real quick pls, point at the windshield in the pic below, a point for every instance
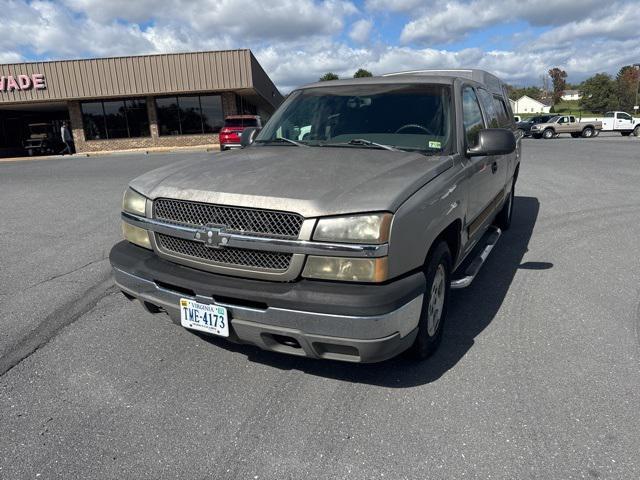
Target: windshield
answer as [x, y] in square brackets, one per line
[408, 117]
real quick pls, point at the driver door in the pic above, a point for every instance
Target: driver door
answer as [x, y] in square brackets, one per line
[481, 176]
[563, 125]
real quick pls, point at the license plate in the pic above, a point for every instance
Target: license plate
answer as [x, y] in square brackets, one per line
[204, 317]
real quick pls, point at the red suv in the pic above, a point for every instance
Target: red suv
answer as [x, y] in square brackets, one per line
[233, 127]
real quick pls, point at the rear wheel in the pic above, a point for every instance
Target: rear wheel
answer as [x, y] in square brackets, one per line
[587, 132]
[434, 303]
[636, 131]
[548, 134]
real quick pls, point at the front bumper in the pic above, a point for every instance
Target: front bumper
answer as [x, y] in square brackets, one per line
[349, 322]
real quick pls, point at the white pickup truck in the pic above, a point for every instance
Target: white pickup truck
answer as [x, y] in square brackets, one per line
[621, 122]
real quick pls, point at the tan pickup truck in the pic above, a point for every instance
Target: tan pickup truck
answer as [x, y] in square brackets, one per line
[566, 124]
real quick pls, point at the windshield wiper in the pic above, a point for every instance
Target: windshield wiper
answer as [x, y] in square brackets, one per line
[366, 143]
[283, 140]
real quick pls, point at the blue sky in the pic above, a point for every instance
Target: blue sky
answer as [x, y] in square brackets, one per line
[296, 41]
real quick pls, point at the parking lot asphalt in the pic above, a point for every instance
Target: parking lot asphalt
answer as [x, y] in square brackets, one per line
[537, 377]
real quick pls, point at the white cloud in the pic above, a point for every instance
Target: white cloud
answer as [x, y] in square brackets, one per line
[620, 23]
[242, 19]
[297, 41]
[395, 5]
[11, 57]
[449, 21]
[361, 30]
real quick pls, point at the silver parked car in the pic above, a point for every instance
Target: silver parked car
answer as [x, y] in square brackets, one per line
[339, 232]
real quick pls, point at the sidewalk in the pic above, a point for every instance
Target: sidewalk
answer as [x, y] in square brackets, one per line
[145, 151]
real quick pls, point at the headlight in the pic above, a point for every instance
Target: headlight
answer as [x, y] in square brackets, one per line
[136, 235]
[369, 228]
[133, 202]
[346, 269]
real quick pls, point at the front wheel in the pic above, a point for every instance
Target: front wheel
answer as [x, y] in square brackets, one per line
[434, 303]
[587, 132]
[503, 219]
[548, 134]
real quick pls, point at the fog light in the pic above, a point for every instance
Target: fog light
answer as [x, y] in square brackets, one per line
[347, 269]
[136, 235]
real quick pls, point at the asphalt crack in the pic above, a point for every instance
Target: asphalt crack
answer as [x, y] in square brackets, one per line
[60, 318]
[60, 275]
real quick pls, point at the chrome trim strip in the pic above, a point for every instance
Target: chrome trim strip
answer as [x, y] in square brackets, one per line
[249, 242]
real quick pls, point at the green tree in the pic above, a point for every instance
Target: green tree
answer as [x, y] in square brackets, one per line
[328, 76]
[626, 87]
[599, 93]
[559, 79]
[361, 73]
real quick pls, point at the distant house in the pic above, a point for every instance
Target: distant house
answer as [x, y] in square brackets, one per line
[526, 104]
[571, 95]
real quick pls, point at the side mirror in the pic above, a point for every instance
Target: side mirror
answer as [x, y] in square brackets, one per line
[248, 136]
[493, 141]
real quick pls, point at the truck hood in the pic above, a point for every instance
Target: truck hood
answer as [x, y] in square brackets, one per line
[313, 181]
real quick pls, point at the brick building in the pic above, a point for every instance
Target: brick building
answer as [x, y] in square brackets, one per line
[132, 102]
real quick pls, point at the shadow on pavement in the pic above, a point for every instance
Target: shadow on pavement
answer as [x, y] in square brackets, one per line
[470, 312]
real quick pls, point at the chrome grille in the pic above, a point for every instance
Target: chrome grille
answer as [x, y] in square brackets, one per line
[227, 256]
[235, 219]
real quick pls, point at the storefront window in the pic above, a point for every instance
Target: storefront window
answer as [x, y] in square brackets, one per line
[189, 115]
[212, 117]
[115, 119]
[93, 120]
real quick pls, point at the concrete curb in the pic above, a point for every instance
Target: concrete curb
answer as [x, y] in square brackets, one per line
[145, 151]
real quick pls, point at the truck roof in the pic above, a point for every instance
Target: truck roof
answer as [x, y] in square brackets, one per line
[493, 83]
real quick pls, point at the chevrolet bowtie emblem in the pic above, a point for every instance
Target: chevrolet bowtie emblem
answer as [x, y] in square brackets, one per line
[212, 236]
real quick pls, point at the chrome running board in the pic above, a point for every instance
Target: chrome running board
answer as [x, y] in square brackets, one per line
[475, 266]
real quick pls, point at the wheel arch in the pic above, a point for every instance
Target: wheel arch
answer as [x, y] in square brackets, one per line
[451, 235]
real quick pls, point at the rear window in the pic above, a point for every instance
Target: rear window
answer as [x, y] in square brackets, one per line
[241, 122]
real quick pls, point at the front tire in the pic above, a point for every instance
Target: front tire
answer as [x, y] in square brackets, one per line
[434, 304]
[548, 134]
[503, 219]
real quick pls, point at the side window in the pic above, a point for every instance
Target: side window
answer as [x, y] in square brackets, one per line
[472, 116]
[504, 121]
[624, 116]
[486, 99]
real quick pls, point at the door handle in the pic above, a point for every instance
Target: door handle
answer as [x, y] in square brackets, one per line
[494, 167]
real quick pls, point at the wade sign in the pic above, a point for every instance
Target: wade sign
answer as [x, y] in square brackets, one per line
[11, 83]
